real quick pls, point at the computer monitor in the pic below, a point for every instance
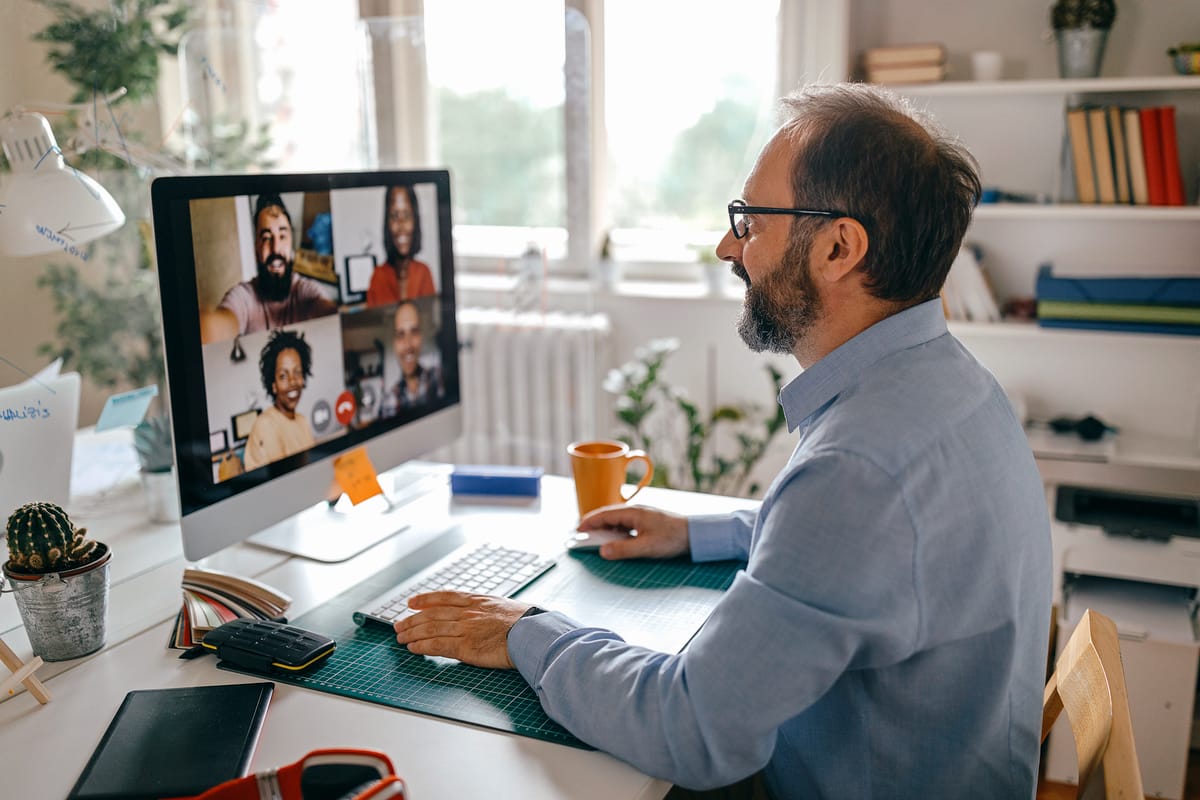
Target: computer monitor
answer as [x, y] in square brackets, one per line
[304, 316]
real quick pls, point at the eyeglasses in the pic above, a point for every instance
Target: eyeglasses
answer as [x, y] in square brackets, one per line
[320, 775]
[738, 211]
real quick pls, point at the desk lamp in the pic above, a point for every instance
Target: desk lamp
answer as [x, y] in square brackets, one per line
[46, 204]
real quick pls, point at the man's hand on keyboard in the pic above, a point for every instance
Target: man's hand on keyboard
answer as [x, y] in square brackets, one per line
[660, 534]
[472, 628]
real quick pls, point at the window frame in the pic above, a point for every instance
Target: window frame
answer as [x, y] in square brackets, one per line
[819, 51]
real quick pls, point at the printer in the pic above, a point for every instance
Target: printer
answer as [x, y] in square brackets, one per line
[1126, 543]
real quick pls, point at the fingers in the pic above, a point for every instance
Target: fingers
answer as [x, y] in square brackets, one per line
[620, 516]
[444, 598]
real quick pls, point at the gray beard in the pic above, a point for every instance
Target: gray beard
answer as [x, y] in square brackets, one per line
[781, 308]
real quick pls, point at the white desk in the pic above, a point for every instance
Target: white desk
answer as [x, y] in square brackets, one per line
[45, 747]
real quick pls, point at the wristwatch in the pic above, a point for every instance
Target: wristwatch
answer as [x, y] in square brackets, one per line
[532, 612]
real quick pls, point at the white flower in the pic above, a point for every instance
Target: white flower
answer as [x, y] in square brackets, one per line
[636, 372]
[641, 353]
[624, 403]
[664, 346]
[614, 382]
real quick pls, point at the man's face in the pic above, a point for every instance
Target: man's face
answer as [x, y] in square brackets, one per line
[782, 299]
[408, 340]
[289, 381]
[400, 222]
[273, 247]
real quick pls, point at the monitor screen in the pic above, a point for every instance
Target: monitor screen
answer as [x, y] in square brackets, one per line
[304, 316]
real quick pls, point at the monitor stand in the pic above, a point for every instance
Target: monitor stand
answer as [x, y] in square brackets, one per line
[332, 532]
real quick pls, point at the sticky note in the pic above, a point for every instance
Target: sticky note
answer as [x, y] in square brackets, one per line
[356, 475]
[125, 409]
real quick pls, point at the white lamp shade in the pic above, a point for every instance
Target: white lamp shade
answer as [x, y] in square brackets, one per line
[46, 204]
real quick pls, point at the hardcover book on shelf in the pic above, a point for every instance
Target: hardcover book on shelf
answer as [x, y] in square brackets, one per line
[1135, 156]
[1172, 176]
[1102, 158]
[1156, 186]
[905, 54]
[1081, 155]
[907, 73]
[212, 598]
[1116, 135]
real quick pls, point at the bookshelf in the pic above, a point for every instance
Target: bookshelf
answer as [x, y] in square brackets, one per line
[1147, 384]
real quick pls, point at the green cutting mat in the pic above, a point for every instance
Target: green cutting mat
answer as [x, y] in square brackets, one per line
[658, 604]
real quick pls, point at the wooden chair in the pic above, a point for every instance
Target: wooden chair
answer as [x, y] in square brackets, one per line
[1089, 682]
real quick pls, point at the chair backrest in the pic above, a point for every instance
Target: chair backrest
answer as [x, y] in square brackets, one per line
[1089, 682]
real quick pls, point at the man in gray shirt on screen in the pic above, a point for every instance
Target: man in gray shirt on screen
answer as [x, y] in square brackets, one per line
[887, 638]
[275, 296]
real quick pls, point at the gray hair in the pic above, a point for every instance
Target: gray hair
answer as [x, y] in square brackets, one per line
[869, 153]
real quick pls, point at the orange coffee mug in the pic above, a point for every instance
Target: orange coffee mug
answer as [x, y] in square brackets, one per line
[599, 469]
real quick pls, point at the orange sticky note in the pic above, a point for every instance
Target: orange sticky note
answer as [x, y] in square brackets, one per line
[356, 475]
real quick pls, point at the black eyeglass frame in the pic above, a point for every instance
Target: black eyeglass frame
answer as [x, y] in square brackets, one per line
[738, 207]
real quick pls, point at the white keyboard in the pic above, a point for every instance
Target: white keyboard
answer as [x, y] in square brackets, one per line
[482, 569]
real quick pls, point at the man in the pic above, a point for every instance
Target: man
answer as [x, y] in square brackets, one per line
[275, 296]
[402, 277]
[888, 635]
[280, 431]
[418, 384]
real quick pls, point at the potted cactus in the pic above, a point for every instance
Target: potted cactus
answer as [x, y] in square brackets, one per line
[152, 440]
[60, 580]
[1081, 29]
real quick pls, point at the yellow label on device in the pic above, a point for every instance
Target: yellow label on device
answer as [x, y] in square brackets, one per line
[356, 475]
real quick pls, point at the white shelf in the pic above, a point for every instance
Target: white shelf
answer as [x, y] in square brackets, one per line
[1020, 331]
[1053, 86]
[1090, 213]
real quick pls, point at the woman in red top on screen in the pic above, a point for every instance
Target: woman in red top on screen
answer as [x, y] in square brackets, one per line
[402, 277]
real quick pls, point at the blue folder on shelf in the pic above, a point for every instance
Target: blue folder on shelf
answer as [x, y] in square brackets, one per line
[1163, 291]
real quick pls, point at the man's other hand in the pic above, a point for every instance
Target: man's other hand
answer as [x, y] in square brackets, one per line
[472, 628]
[659, 534]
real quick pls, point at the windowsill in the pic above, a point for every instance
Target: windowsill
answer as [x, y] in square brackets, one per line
[575, 287]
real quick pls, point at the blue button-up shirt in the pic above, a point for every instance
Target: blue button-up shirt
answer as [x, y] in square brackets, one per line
[888, 636]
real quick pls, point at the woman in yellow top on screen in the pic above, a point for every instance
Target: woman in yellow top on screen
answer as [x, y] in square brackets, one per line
[402, 277]
[280, 431]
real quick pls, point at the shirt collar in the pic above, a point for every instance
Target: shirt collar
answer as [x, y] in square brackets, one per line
[813, 388]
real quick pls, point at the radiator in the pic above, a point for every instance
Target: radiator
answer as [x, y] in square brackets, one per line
[530, 386]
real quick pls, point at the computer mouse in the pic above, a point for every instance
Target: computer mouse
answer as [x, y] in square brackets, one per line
[591, 540]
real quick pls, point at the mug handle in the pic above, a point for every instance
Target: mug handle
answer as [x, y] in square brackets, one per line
[639, 455]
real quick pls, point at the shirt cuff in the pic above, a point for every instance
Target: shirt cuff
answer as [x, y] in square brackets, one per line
[711, 538]
[530, 639]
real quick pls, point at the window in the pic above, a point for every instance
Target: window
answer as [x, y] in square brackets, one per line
[684, 125]
[496, 92]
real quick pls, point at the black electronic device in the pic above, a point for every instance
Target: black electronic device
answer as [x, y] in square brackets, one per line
[263, 645]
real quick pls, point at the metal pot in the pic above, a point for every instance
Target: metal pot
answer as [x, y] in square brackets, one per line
[65, 613]
[1080, 52]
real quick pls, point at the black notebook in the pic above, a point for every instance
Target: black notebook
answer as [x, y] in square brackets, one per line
[175, 742]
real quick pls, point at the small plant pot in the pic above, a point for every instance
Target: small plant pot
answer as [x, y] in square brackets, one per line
[162, 495]
[1080, 52]
[65, 613]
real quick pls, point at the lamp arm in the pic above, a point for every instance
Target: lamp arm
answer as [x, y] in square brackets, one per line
[109, 98]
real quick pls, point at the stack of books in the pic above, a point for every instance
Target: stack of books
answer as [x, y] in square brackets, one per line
[1125, 156]
[1167, 304]
[910, 63]
[211, 598]
[967, 293]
